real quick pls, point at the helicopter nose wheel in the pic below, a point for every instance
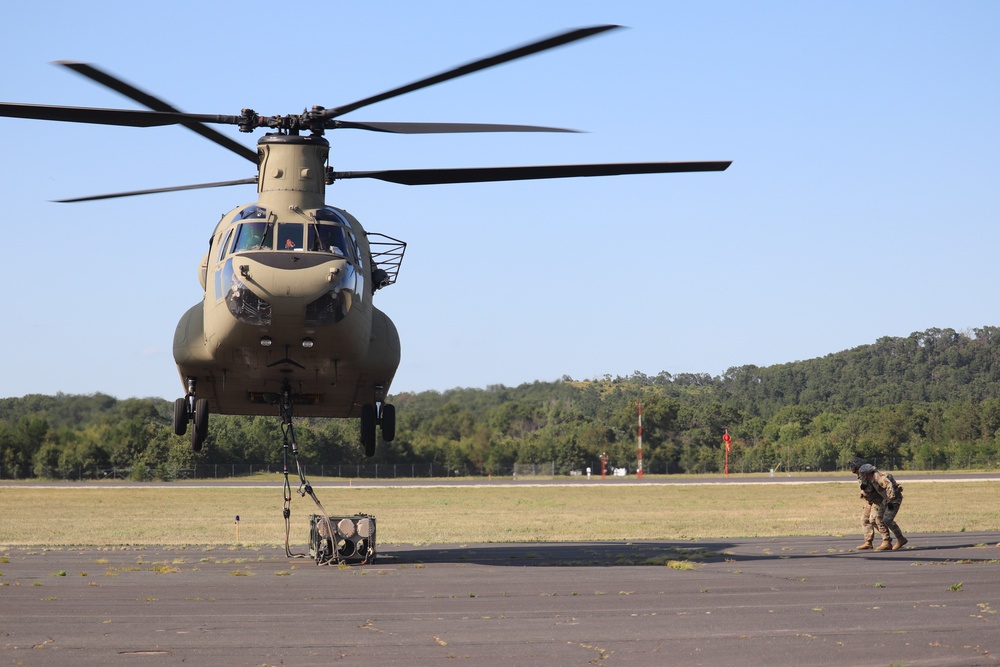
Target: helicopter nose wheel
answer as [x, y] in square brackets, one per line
[379, 414]
[189, 409]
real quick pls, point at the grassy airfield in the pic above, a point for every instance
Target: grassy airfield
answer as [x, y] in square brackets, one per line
[181, 514]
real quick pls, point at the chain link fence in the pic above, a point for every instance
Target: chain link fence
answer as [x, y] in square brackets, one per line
[340, 471]
[163, 472]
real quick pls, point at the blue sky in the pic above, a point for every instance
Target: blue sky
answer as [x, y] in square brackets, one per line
[861, 201]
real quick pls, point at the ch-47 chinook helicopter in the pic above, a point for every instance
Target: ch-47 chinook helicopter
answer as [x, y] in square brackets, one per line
[287, 318]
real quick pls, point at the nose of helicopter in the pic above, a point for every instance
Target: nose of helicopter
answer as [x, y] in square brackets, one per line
[292, 275]
[258, 286]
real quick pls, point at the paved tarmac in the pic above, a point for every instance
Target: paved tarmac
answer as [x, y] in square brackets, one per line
[769, 601]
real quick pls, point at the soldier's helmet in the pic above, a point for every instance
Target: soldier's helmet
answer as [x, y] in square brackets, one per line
[855, 464]
[866, 469]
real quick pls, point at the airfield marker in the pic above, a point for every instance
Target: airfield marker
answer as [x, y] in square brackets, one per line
[728, 440]
[639, 468]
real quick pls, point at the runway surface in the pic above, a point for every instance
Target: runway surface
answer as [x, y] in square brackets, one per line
[774, 601]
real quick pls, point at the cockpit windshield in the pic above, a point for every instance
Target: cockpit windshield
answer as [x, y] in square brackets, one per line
[290, 236]
[253, 236]
[328, 238]
[330, 232]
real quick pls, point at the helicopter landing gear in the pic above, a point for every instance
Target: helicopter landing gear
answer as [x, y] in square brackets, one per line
[387, 422]
[200, 430]
[188, 409]
[181, 416]
[378, 414]
[368, 429]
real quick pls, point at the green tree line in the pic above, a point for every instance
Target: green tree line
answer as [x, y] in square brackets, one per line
[927, 401]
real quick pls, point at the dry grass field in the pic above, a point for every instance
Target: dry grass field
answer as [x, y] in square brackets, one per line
[178, 514]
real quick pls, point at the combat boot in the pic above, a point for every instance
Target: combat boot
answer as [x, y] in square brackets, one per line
[899, 543]
[862, 547]
[885, 546]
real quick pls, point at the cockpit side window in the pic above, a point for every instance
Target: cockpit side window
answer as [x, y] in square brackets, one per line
[357, 251]
[224, 246]
[253, 236]
[290, 236]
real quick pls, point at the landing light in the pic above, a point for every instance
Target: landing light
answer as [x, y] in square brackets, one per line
[265, 341]
[307, 343]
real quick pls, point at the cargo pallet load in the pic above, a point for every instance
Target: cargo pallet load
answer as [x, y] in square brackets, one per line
[352, 542]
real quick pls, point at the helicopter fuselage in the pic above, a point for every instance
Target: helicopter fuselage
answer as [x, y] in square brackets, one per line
[288, 287]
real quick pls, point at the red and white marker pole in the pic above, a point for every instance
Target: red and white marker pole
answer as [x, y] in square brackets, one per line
[639, 468]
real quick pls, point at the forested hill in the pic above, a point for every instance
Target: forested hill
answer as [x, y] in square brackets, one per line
[930, 400]
[927, 366]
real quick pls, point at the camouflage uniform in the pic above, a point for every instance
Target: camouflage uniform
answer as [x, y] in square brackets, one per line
[891, 496]
[871, 507]
[871, 514]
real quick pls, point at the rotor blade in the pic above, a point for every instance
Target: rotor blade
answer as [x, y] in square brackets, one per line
[156, 104]
[490, 174]
[475, 66]
[126, 117]
[86, 115]
[438, 128]
[176, 188]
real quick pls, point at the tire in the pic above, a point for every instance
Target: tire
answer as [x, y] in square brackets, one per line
[180, 416]
[388, 422]
[196, 440]
[368, 429]
[200, 430]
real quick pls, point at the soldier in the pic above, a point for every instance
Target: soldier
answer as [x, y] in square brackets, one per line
[892, 497]
[872, 504]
